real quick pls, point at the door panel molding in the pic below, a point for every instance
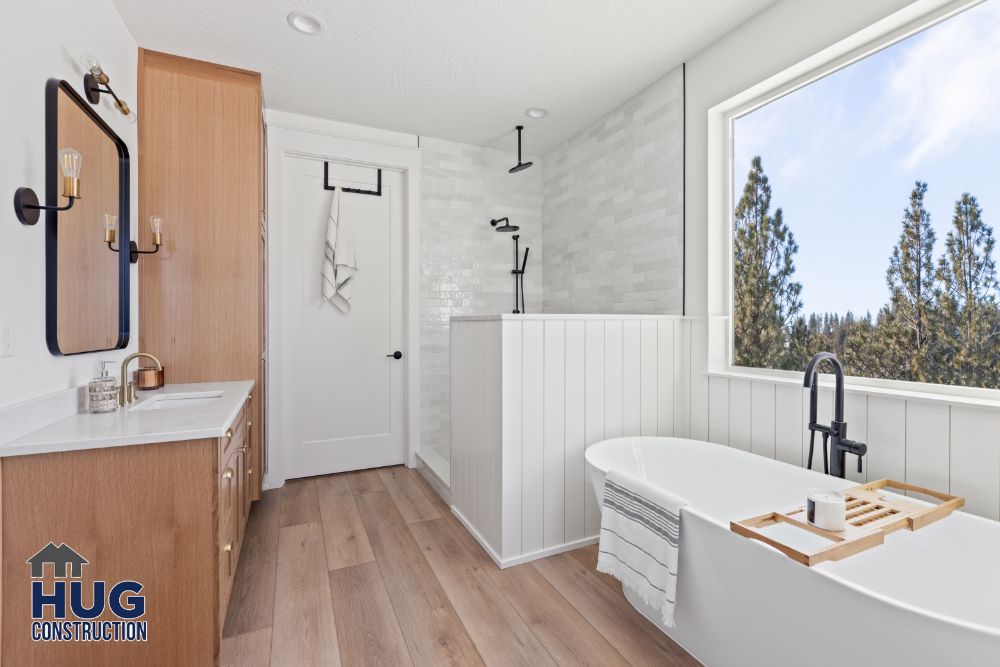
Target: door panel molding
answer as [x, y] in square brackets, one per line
[294, 136]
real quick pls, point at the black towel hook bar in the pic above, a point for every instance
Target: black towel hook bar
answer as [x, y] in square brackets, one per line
[357, 191]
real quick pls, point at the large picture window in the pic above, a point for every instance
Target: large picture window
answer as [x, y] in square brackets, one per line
[863, 206]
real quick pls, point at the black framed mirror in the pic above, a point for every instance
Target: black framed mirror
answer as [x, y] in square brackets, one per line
[86, 282]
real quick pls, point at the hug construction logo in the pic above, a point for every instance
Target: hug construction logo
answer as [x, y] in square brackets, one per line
[72, 618]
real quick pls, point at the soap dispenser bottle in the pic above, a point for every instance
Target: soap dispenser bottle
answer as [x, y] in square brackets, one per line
[102, 392]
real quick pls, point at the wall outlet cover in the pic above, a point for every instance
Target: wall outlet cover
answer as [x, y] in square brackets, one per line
[6, 336]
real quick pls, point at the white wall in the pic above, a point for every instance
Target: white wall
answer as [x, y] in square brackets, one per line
[464, 264]
[948, 444]
[613, 209]
[42, 40]
[530, 394]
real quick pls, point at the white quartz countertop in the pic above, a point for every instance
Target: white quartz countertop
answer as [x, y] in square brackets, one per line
[138, 425]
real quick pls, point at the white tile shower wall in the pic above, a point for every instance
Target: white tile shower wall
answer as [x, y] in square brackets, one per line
[613, 209]
[465, 264]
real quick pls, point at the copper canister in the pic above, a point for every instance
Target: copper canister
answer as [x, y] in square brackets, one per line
[147, 378]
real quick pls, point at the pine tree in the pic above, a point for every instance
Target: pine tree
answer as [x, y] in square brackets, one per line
[802, 344]
[910, 278]
[766, 299]
[870, 348]
[967, 298]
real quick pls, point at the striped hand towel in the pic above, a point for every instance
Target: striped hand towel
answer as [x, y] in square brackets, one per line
[640, 539]
[339, 261]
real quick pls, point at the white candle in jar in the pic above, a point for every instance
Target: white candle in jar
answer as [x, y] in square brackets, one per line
[827, 510]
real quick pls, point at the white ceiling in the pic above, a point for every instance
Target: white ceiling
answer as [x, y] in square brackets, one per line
[463, 70]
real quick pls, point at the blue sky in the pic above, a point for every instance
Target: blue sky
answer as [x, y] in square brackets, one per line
[842, 154]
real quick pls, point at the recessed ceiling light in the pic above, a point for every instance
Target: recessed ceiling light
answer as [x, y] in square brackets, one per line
[536, 112]
[306, 23]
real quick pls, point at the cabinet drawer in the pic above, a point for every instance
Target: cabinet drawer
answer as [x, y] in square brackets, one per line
[228, 487]
[235, 436]
[227, 560]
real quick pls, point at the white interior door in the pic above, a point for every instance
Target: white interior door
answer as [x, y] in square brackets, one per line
[347, 386]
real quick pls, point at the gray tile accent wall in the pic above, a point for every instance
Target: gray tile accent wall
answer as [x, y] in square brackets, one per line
[613, 209]
[465, 265]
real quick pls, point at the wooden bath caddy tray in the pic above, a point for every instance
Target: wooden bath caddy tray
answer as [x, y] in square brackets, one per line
[871, 515]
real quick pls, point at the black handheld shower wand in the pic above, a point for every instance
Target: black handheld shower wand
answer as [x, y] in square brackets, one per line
[520, 276]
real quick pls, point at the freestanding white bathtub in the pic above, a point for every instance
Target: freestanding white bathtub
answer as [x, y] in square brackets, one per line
[930, 597]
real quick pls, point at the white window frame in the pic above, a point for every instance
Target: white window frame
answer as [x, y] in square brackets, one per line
[912, 19]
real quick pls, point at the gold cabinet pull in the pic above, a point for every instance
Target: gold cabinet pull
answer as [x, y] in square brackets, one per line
[249, 471]
[229, 433]
[228, 474]
[249, 424]
[228, 547]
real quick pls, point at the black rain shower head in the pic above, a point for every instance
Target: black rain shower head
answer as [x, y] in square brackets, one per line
[506, 227]
[520, 166]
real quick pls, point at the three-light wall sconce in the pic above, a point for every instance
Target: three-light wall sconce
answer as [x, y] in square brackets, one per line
[26, 204]
[111, 236]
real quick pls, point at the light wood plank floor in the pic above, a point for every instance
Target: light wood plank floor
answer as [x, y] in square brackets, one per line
[371, 568]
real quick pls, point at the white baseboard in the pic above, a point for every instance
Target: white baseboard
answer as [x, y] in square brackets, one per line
[479, 538]
[271, 484]
[551, 551]
[526, 558]
[428, 473]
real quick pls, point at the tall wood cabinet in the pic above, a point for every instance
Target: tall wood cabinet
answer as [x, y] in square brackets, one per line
[201, 298]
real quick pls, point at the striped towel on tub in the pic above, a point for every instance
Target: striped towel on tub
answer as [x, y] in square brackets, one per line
[640, 539]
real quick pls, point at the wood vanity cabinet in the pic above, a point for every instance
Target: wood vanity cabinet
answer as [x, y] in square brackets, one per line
[201, 168]
[234, 503]
[170, 516]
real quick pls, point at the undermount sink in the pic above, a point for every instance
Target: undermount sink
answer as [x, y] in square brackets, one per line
[196, 399]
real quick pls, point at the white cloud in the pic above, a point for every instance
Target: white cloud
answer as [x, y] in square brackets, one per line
[941, 89]
[796, 135]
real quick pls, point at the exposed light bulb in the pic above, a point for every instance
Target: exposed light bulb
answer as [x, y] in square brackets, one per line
[91, 64]
[110, 227]
[70, 161]
[156, 226]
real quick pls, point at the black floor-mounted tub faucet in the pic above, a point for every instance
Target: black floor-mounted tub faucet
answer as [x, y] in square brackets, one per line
[836, 432]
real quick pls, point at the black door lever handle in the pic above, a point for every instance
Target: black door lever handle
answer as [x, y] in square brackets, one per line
[396, 355]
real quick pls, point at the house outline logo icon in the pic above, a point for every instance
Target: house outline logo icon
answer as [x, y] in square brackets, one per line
[59, 556]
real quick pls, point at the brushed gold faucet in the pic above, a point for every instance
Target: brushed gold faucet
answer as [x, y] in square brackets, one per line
[126, 392]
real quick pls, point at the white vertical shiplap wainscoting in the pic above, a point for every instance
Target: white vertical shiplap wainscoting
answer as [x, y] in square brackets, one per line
[529, 393]
[949, 445]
